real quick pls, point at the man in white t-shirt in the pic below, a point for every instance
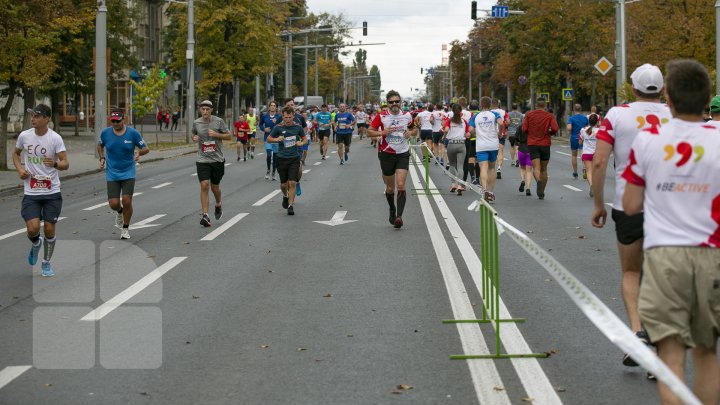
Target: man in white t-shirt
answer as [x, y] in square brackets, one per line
[44, 154]
[495, 107]
[438, 146]
[616, 134]
[673, 176]
[487, 127]
[361, 120]
[424, 120]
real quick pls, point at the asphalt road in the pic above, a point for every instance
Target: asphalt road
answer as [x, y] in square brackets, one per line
[273, 309]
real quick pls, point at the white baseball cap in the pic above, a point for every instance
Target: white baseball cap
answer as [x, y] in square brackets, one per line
[647, 79]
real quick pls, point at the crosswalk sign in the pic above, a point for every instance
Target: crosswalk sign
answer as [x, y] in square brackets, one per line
[567, 94]
[546, 96]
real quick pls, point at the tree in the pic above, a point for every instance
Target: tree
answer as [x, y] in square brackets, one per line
[329, 74]
[375, 82]
[148, 93]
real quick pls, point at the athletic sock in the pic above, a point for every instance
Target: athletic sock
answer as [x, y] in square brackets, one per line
[49, 248]
[268, 160]
[400, 202]
[390, 199]
[477, 170]
[35, 239]
[120, 210]
[465, 171]
[126, 226]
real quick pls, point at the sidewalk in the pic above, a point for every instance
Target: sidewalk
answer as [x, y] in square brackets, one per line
[81, 154]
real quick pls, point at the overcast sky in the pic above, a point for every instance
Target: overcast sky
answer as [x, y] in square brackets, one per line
[413, 32]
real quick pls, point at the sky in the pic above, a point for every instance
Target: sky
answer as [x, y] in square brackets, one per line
[413, 32]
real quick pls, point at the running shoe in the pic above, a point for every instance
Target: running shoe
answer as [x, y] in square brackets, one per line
[205, 221]
[238, 159]
[267, 175]
[346, 156]
[522, 186]
[517, 163]
[342, 163]
[392, 216]
[252, 155]
[125, 233]
[285, 202]
[323, 157]
[575, 175]
[442, 162]
[273, 177]
[290, 210]
[46, 269]
[218, 212]
[244, 158]
[590, 194]
[398, 223]
[539, 191]
[118, 220]
[629, 361]
[499, 174]
[298, 189]
[476, 182]
[584, 174]
[527, 192]
[460, 190]
[34, 252]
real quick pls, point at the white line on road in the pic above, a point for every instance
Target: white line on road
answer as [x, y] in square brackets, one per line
[10, 373]
[227, 164]
[266, 198]
[608, 204]
[163, 185]
[571, 187]
[563, 153]
[194, 174]
[21, 230]
[317, 163]
[306, 171]
[96, 206]
[224, 227]
[114, 302]
[259, 154]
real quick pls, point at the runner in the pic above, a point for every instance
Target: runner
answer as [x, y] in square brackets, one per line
[524, 162]
[679, 193]
[267, 122]
[394, 127]
[487, 125]
[588, 141]
[343, 125]
[456, 131]
[383, 109]
[515, 118]
[424, 120]
[323, 123]
[299, 120]
[438, 143]
[540, 125]
[242, 129]
[118, 156]
[616, 134]
[290, 137]
[575, 124]
[470, 154]
[42, 201]
[496, 108]
[361, 119]
[252, 122]
[209, 132]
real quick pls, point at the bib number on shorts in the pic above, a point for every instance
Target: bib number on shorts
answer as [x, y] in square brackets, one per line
[208, 147]
[40, 183]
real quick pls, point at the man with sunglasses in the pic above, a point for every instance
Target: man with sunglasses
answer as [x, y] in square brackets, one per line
[116, 149]
[394, 128]
[44, 154]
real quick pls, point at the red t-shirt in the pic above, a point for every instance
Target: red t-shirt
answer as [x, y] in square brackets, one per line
[539, 125]
[242, 129]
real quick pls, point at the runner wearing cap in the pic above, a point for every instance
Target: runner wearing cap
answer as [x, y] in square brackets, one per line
[44, 154]
[116, 148]
[715, 108]
[209, 131]
[616, 134]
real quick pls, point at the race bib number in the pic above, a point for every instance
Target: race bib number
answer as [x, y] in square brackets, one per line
[343, 126]
[40, 183]
[289, 141]
[208, 147]
[394, 139]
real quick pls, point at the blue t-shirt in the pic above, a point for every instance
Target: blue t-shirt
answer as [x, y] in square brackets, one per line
[578, 122]
[344, 121]
[323, 120]
[292, 134]
[120, 153]
[268, 121]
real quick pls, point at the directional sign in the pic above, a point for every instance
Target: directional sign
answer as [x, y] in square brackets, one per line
[147, 223]
[603, 65]
[546, 96]
[500, 11]
[337, 219]
[567, 94]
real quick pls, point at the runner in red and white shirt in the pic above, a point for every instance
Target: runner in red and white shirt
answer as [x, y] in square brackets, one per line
[394, 127]
[673, 177]
[616, 134]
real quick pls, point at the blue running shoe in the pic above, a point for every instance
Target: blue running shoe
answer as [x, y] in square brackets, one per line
[298, 190]
[47, 270]
[34, 251]
[346, 156]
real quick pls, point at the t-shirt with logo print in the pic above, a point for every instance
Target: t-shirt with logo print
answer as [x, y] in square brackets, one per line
[619, 128]
[287, 148]
[486, 130]
[209, 148]
[678, 165]
[394, 142]
[515, 121]
[344, 121]
[42, 180]
[323, 119]
[120, 152]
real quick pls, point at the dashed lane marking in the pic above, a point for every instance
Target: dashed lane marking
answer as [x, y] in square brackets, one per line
[22, 230]
[224, 227]
[266, 198]
[10, 373]
[163, 185]
[571, 187]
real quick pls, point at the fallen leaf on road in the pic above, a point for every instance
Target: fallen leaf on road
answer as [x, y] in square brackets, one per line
[396, 392]
[319, 360]
[405, 387]
[195, 296]
[530, 231]
[560, 389]
[151, 256]
[268, 252]
[48, 385]
[581, 237]
[145, 393]
[551, 352]
[76, 232]
[186, 243]
[327, 296]
[577, 227]
[264, 346]
[188, 342]
[528, 399]
[350, 335]
[547, 279]
[499, 388]
[301, 349]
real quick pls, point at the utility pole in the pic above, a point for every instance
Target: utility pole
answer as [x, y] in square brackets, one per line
[317, 67]
[480, 94]
[469, 76]
[305, 76]
[620, 68]
[100, 69]
[190, 56]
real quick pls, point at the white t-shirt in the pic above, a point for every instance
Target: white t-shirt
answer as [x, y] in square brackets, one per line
[589, 140]
[678, 165]
[361, 117]
[43, 180]
[456, 132]
[619, 128]
[425, 124]
[394, 142]
[502, 114]
[438, 117]
[486, 131]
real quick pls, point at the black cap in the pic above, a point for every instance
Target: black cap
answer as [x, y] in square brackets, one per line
[40, 109]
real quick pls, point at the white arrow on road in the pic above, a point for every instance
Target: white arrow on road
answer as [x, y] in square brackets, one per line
[147, 223]
[337, 219]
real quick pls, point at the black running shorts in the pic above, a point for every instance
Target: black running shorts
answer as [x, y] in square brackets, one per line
[323, 133]
[628, 228]
[436, 137]
[210, 171]
[390, 162]
[44, 207]
[539, 152]
[344, 138]
[426, 134]
[513, 140]
[288, 169]
[118, 187]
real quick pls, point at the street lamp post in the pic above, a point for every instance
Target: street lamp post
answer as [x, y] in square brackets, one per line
[190, 56]
[100, 68]
[620, 54]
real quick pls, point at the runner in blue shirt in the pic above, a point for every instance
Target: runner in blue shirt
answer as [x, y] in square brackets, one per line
[344, 122]
[323, 121]
[118, 156]
[266, 124]
[299, 120]
[575, 124]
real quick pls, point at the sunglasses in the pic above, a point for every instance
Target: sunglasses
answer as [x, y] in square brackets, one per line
[116, 121]
[393, 101]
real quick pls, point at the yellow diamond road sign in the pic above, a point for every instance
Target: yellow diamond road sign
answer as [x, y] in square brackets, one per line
[603, 65]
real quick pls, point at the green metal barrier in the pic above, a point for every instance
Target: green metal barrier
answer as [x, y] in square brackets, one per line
[426, 165]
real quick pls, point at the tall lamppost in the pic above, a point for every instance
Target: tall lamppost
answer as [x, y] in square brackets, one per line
[100, 68]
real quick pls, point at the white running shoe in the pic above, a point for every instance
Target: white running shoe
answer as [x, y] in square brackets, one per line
[124, 233]
[118, 220]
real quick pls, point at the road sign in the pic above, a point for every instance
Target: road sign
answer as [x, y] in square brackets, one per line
[500, 11]
[567, 94]
[603, 65]
[546, 96]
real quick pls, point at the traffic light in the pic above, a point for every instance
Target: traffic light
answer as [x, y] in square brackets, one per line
[364, 28]
[421, 70]
[473, 10]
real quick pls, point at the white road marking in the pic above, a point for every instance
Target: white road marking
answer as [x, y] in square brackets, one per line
[94, 207]
[532, 376]
[146, 223]
[484, 374]
[224, 227]
[306, 171]
[10, 373]
[564, 146]
[163, 185]
[337, 219]
[259, 154]
[22, 230]
[266, 198]
[571, 187]
[608, 204]
[194, 174]
[563, 153]
[114, 302]
[317, 163]
[227, 164]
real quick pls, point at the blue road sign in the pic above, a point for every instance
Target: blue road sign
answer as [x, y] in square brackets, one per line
[500, 11]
